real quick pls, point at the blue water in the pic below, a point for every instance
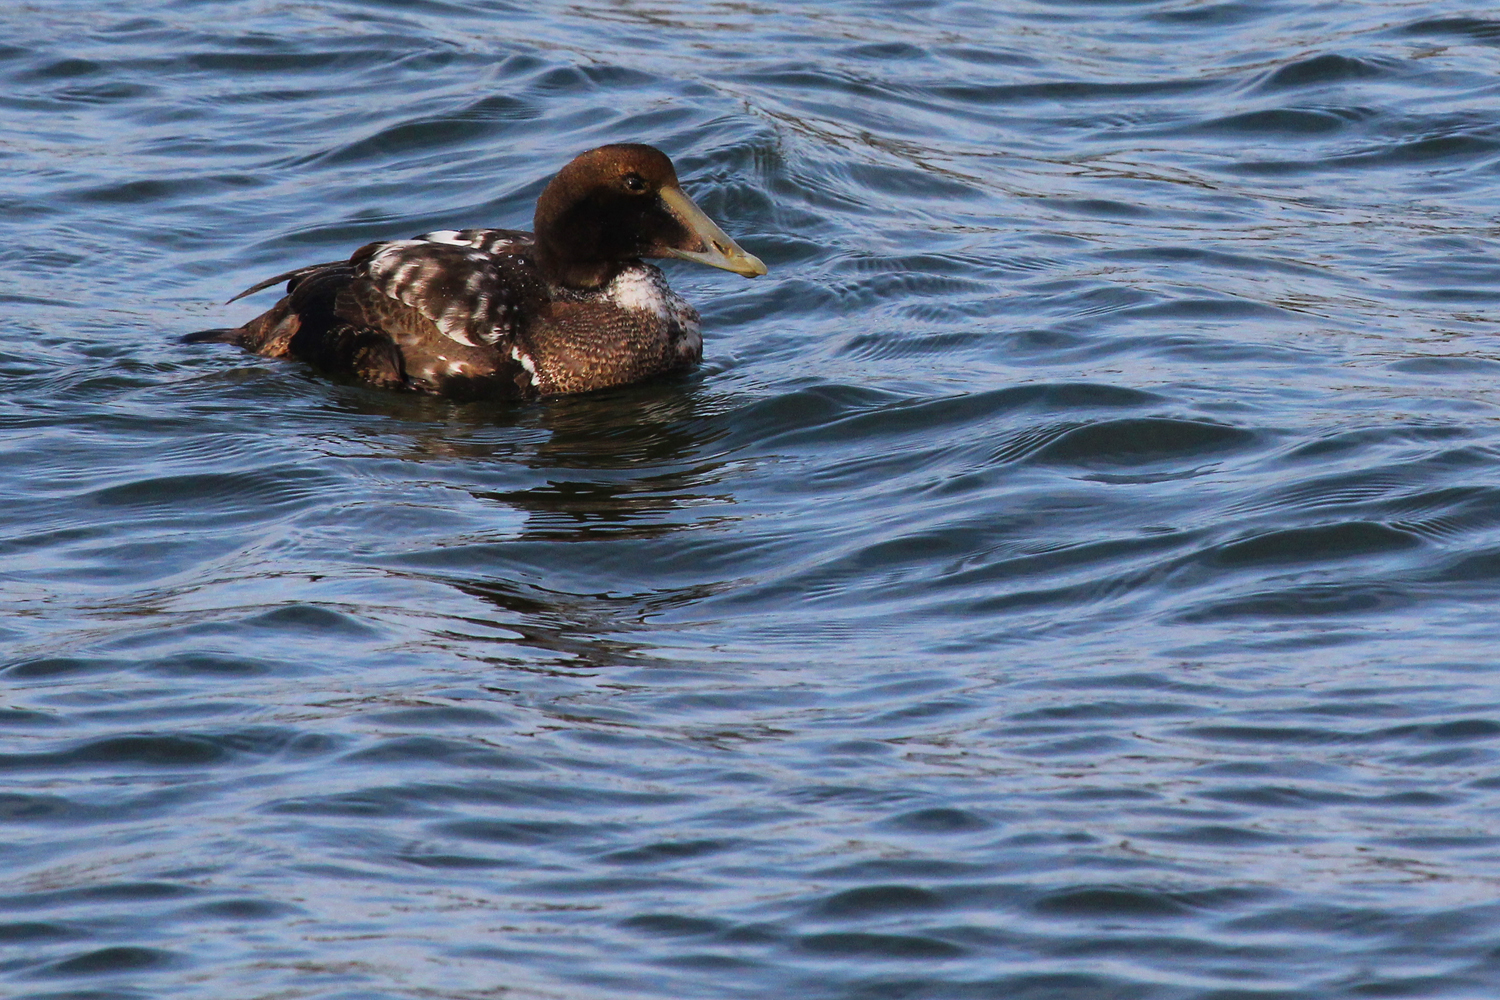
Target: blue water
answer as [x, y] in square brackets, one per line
[1071, 575]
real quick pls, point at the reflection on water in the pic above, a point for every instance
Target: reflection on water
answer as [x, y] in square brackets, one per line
[1070, 575]
[630, 465]
[620, 468]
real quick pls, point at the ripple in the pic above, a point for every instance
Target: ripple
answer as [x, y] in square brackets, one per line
[888, 947]
[1069, 575]
[109, 961]
[1328, 68]
[1139, 441]
[1476, 29]
[1333, 541]
[164, 751]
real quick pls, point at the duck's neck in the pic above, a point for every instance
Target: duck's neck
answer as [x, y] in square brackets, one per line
[561, 271]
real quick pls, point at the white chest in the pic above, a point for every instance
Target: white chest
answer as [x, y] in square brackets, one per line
[643, 289]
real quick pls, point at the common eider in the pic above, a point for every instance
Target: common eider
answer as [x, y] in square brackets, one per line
[570, 307]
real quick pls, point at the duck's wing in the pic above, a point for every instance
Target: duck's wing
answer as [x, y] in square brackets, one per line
[496, 242]
[448, 307]
[440, 313]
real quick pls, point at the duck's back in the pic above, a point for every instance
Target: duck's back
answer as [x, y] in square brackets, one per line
[467, 313]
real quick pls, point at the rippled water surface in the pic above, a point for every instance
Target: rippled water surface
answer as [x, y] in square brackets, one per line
[1072, 573]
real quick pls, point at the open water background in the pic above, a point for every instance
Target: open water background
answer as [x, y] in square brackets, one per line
[1072, 574]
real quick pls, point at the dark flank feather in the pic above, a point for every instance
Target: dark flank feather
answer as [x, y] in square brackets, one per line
[499, 312]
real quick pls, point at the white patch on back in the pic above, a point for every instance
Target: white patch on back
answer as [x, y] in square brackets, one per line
[450, 236]
[393, 248]
[490, 241]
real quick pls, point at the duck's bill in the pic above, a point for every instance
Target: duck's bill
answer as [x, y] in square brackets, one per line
[715, 248]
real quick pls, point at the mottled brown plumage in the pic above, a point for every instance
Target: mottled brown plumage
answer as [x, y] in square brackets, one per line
[484, 312]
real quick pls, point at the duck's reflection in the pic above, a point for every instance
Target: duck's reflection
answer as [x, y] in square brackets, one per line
[555, 631]
[613, 485]
[632, 464]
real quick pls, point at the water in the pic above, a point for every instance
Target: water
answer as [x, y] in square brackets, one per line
[1072, 573]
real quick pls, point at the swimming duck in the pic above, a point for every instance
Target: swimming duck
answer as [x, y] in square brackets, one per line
[570, 307]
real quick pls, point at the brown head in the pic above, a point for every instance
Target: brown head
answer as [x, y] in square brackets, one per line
[620, 203]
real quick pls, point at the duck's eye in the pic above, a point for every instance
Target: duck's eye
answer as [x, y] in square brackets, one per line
[634, 182]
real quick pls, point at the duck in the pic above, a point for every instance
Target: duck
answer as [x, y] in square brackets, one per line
[572, 306]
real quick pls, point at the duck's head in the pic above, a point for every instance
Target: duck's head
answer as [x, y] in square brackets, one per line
[619, 203]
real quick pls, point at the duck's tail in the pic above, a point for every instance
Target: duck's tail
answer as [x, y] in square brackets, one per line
[225, 336]
[270, 333]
